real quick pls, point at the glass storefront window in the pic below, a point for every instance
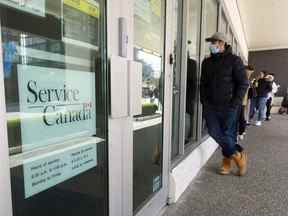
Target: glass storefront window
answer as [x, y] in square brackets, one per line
[193, 33]
[211, 14]
[149, 22]
[54, 68]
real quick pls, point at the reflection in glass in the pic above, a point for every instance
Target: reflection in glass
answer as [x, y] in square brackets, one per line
[193, 29]
[151, 83]
[211, 27]
[191, 100]
[148, 50]
[55, 93]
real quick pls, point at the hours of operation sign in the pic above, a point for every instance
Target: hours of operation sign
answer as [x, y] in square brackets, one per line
[48, 171]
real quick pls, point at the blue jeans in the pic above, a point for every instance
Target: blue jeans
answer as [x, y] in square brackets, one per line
[262, 108]
[222, 127]
[253, 107]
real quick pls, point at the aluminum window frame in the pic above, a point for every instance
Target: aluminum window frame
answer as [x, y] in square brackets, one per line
[160, 198]
[182, 39]
[5, 184]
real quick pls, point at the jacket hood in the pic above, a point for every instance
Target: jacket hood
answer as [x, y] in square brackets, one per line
[269, 78]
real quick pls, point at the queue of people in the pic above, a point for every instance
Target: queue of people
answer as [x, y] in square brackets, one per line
[233, 96]
[261, 93]
[259, 99]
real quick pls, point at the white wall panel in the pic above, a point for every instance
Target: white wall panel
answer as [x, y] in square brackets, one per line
[184, 173]
[234, 17]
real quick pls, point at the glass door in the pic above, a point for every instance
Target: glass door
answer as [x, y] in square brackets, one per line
[54, 67]
[149, 23]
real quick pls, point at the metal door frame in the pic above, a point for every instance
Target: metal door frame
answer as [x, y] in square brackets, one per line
[160, 199]
[182, 39]
[5, 184]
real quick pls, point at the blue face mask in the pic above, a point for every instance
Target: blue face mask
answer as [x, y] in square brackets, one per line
[214, 49]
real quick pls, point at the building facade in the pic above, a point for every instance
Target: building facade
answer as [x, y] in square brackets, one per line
[99, 102]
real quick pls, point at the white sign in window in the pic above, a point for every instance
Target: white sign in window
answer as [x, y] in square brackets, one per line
[55, 105]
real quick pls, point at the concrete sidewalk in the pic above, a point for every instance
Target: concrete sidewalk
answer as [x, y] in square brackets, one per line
[262, 192]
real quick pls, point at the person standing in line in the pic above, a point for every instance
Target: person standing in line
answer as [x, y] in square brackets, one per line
[223, 86]
[263, 89]
[249, 94]
[252, 94]
[244, 110]
[271, 94]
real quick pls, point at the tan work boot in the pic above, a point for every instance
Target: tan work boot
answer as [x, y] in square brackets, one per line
[240, 159]
[226, 166]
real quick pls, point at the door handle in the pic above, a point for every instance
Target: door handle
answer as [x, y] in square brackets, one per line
[175, 90]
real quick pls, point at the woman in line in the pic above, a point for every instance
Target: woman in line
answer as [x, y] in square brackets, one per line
[263, 89]
[244, 109]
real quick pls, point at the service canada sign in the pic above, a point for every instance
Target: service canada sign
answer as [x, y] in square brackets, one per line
[55, 105]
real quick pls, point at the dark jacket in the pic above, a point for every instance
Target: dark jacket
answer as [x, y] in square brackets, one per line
[223, 81]
[191, 86]
[252, 92]
[264, 87]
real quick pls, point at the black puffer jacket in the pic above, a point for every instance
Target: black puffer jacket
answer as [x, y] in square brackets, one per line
[264, 87]
[223, 81]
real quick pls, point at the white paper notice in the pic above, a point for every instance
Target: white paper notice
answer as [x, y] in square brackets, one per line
[36, 7]
[46, 172]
